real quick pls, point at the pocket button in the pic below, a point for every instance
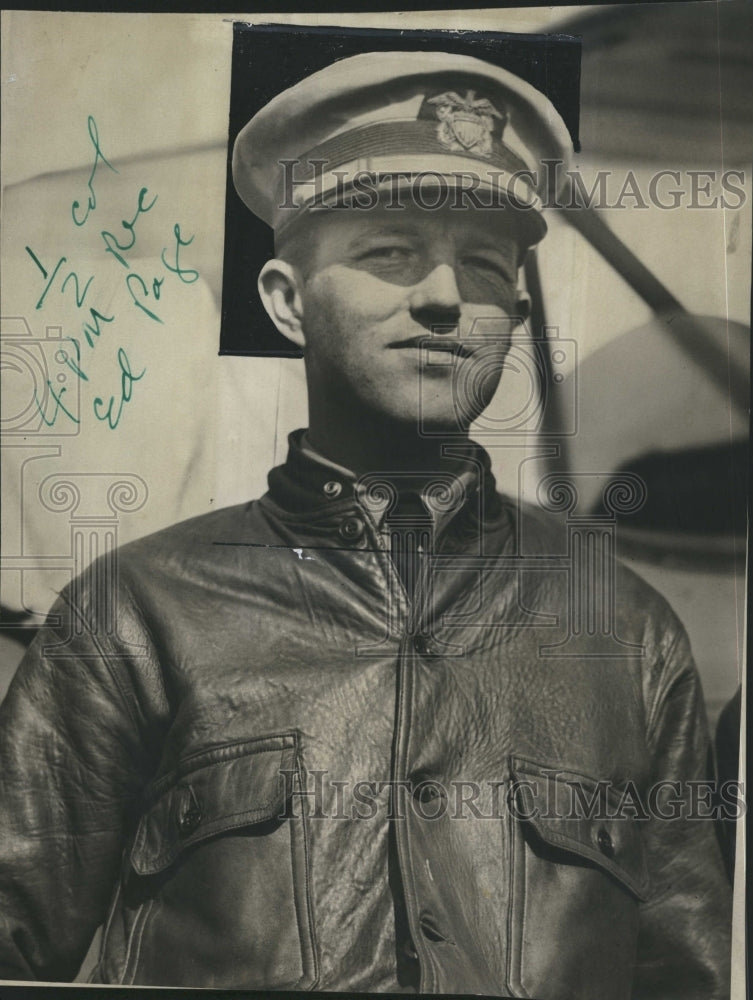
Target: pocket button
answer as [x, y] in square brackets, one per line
[426, 789]
[423, 646]
[409, 949]
[189, 819]
[429, 928]
[606, 846]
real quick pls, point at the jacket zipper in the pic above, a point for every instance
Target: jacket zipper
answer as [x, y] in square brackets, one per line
[401, 743]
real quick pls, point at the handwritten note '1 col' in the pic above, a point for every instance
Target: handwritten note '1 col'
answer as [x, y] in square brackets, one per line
[145, 292]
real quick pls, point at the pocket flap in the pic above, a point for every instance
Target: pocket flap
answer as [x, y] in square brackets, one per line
[229, 786]
[579, 814]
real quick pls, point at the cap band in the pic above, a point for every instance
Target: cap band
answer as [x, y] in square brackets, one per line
[384, 138]
[399, 149]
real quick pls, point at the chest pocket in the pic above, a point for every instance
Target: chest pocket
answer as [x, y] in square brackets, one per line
[218, 890]
[578, 876]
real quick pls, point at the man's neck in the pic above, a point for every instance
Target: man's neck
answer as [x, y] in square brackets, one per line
[379, 446]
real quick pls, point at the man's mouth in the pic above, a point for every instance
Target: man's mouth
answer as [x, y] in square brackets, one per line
[439, 347]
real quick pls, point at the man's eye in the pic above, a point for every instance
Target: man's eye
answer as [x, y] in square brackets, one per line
[490, 267]
[387, 254]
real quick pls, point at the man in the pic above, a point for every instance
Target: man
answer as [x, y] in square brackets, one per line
[328, 739]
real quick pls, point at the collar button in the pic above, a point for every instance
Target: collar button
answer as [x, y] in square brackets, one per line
[351, 529]
[332, 488]
[605, 842]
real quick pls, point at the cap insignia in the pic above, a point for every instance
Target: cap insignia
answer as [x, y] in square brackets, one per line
[465, 124]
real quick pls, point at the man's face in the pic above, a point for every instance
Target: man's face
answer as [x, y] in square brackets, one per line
[379, 283]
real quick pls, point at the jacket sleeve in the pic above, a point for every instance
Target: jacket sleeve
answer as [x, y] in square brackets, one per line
[72, 763]
[685, 928]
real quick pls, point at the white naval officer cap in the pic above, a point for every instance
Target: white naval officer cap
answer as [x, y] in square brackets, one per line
[391, 120]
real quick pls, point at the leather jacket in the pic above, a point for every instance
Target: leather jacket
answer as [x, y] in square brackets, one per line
[244, 748]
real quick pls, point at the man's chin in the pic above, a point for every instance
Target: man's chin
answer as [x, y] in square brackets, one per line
[416, 418]
[435, 424]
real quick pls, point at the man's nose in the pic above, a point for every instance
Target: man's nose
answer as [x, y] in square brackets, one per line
[435, 302]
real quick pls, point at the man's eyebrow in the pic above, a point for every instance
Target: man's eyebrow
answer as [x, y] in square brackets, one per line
[394, 230]
[503, 246]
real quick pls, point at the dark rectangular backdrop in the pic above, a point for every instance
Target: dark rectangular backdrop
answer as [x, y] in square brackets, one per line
[268, 59]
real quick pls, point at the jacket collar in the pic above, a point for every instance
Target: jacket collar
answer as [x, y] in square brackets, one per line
[310, 486]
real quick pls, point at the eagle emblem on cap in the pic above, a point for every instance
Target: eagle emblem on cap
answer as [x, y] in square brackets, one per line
[466, 123]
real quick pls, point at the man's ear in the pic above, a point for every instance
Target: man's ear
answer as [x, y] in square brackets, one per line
[522, 306]
[280, 290]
